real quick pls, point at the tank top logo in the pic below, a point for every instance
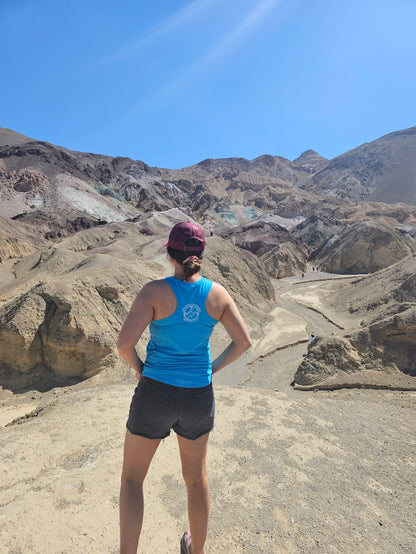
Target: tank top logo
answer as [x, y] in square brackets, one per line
[191, 313]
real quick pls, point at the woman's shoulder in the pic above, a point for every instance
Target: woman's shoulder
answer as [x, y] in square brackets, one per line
[219, 292]
[155, 287]
[156, 283]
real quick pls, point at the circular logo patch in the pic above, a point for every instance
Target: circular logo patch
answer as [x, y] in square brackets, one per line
[191, 313]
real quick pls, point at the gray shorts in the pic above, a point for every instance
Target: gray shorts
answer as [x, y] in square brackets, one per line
[156, 408]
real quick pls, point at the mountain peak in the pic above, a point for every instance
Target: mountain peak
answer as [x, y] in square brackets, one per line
[310, 161]
[307, 155]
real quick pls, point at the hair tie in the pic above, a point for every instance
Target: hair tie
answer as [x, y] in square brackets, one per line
[193, 259]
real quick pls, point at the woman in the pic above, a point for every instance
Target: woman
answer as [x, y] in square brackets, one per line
[175, 389]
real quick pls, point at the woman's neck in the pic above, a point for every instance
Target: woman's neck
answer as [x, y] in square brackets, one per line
[180, 274]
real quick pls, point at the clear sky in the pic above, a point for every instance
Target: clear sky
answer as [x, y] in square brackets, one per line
[172, 82]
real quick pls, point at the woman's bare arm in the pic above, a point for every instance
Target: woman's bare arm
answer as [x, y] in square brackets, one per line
[239, 334]
[140, 315]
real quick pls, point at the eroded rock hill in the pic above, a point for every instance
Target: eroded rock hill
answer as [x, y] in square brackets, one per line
[364, 248]
[281, 253]
[60, 317]
[380, 349]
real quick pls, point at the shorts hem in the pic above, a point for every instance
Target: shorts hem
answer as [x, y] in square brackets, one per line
[146, 436]
[199, 435]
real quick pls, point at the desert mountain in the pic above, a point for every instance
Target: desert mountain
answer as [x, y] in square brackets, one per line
[310, 161]
[36, 176]
[80, 233]
[60, 191]
[383, 170]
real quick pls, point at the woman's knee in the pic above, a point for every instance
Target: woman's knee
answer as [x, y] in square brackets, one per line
[132, 476]
[194, 477]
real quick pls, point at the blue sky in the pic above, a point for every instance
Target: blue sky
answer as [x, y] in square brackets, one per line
[173, 82]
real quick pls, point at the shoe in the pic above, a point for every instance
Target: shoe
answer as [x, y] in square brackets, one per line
[186, 543]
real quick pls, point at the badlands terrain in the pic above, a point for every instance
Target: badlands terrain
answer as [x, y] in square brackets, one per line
[314, 445]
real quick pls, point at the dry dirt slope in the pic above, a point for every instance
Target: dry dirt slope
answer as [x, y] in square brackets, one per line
[289, 472]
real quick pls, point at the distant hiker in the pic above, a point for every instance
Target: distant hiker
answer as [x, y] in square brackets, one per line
[303, 275]
[175, 380]
[211, 234]
[311, 338]
[313, 269]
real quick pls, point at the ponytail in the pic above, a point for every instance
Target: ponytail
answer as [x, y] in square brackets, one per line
[191, 262]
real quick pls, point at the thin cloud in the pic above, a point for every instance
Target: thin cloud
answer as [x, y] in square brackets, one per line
[243, 29]
[180, 18]
[221, 50]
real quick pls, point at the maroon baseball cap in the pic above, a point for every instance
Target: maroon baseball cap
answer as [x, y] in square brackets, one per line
[184, 231]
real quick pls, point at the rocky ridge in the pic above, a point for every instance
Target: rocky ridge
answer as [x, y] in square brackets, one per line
[383, 170]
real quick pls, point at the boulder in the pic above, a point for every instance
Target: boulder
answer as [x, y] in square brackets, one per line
[55, 334]
[20, 319]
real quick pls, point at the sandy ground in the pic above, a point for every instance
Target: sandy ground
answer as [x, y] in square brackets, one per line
[290, 471]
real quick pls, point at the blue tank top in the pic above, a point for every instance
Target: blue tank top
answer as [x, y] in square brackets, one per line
[178, 350]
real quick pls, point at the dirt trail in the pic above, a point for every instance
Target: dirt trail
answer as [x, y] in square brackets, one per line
[285, 349]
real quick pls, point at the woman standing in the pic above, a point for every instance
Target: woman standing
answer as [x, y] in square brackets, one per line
[175, 389]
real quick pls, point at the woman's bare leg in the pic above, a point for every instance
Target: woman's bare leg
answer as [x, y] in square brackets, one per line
[193, 456]
[138, 453]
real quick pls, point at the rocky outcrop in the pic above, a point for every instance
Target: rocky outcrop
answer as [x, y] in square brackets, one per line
[14, 248]
[17, 240]
[67, 304]
[281, 254]
[363, 248]
[284, 260]
[317, 229]
[55, 334]
[381, 355]
[244, 276]
[258, 237]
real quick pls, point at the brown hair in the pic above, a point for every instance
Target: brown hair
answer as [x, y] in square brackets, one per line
[191, 266]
